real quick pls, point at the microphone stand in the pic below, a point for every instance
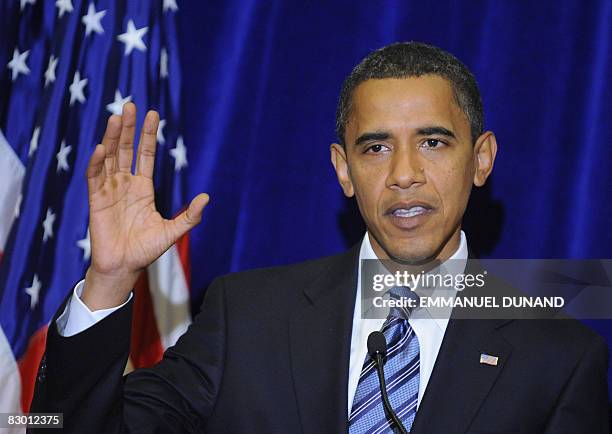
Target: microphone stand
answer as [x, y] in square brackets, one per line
[378, 359]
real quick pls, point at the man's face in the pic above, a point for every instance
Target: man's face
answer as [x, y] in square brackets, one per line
[410, 162]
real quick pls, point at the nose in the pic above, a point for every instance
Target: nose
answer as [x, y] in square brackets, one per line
[406, 168]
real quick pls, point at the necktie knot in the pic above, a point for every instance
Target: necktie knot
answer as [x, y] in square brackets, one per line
[405, 300]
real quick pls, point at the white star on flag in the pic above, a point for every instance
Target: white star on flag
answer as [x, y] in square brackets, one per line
[63, 6]
[116, 107]
[76, 88]
[50, 72]
[85, 244]
[62, 157]
[163, 63]
[26, 2]
[18, 205]
[170, 5]
[132, 38]
[34, 141]
[160, 132]
[91, 21]
[33, 292]
[48, 225]
[18, 63]
[180, 154]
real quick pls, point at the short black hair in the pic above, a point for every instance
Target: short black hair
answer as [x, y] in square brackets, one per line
[413, 59]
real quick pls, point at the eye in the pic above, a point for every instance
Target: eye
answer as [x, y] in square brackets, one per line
[376, 148]
[433, 144]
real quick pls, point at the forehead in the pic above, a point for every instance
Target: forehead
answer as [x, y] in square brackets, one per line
[402, 105]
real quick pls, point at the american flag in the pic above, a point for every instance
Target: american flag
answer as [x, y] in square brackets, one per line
[66, 65]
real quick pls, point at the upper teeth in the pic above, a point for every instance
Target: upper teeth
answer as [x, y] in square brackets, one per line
[409, 212]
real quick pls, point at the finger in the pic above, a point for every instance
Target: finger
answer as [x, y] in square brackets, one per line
[126, 139]
[95, 172]
[145, 160]
[186, 220]
[110, 140]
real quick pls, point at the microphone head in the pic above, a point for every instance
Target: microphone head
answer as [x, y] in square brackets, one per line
[377, 344]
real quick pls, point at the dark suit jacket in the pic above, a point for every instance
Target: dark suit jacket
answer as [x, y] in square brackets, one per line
[269, 353]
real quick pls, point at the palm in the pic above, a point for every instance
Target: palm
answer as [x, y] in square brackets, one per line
[127, 232]
[125, 224]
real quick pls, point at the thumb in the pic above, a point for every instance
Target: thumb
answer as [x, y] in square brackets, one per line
[189, 218]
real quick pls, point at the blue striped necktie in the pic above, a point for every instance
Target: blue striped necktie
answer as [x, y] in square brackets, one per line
[401, 373]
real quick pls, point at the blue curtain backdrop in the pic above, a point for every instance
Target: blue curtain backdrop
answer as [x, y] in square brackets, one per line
[260, 85]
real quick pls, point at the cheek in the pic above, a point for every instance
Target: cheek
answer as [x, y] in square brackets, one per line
[369, 186]
[453, 185]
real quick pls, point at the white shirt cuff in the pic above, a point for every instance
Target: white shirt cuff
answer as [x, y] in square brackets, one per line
[77, 317]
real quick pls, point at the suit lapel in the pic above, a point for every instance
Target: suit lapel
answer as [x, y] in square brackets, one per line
[320, 338]
[459, 383]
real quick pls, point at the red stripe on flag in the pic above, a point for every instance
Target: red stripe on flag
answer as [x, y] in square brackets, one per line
[146, 348]
[182, 247]
[28, 366]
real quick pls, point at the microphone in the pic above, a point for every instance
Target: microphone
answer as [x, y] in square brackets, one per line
[377, 349]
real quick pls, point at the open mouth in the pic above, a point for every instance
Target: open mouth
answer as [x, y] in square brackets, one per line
[413, 211]
[409, 215]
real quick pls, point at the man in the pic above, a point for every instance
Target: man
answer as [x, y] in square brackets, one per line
[283, 350]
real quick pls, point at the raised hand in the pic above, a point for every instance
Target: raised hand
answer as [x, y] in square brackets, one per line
[127, 233]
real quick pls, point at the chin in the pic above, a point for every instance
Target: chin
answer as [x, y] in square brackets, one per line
[413, 254]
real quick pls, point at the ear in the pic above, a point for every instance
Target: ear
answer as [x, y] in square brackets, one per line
[339, 160]
[485, 151]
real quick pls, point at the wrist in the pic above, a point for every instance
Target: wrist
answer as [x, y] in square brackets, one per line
[104, 291]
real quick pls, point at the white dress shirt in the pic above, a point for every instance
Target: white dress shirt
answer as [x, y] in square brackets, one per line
[430, 331]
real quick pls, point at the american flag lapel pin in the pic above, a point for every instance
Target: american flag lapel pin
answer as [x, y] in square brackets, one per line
[487, 359]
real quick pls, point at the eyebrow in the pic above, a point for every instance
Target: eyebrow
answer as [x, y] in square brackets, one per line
[435, 130]
[373, 136]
